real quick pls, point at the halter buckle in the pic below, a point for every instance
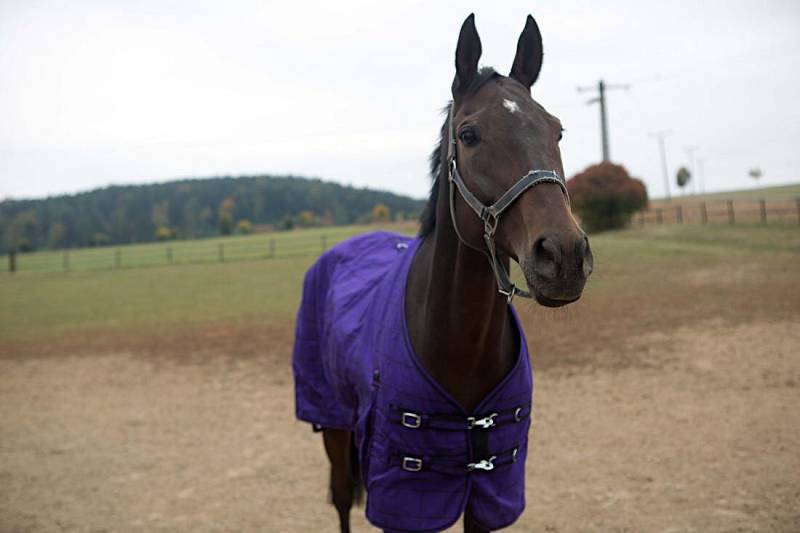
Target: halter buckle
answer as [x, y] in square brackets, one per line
[509, 294]
[483, 464]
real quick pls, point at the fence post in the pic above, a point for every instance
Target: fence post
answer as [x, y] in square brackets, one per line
[679, 214]
[221, 253]
[797, 200]
[762, 204]
[117, 258]
[324, 242]
[659, 217]
[65, 260]
[169, 254]
[641, 217]
[703, 213]
[731, 214]
[12, 261]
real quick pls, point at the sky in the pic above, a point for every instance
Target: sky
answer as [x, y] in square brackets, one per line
[95, 93]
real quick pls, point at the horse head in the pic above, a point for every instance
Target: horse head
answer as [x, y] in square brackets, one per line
[504, 160]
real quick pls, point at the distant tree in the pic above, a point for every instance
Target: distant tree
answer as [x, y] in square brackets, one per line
[160, 214]
[99, 239]
[307, 219]
[163, 233]
[22, 232]
[225, 223]
[227, 205]
[56, 234]
[605, 196]
[380, 213]
[755, 173]
[189, 208]
[245, 227]
[225, 216]
[683, 177]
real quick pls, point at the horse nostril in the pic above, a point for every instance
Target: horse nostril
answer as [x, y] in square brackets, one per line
[546, 258]
[588, 258]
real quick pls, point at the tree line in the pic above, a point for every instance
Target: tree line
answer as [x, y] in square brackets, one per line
[192, 208]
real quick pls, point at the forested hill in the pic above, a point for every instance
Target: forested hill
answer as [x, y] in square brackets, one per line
[189, 209]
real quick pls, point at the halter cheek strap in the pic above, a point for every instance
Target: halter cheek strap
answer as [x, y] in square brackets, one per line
[490, 214]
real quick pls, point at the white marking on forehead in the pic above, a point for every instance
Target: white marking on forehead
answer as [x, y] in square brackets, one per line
[511, 105]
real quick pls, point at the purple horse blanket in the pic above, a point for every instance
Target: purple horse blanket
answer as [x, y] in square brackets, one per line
[424, 459]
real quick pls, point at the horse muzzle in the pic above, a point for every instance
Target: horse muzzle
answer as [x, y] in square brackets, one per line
[557, 267]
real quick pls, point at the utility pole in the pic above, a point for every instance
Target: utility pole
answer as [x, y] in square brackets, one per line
[690, 150]
[701, 174]
[659, 135]
[601, 89]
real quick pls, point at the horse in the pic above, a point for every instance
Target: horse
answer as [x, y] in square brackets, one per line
[409, 356]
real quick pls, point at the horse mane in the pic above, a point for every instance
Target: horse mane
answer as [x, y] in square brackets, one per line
[428, 217]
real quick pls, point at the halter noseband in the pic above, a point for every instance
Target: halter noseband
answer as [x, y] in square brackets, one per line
[490, 214]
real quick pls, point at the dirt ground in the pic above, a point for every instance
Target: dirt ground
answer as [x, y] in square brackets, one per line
[663, 417]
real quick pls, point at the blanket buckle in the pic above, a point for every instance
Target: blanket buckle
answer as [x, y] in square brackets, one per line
[483, 423]
[483, 464]
[411, 420]
[412, 464]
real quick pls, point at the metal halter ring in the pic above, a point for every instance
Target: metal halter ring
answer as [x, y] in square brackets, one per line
[490, 222]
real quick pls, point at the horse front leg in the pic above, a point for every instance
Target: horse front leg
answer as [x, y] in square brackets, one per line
[470, 526]
[345, 483]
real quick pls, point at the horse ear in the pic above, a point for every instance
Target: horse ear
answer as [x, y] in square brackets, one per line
[468, 52]
[528, 61]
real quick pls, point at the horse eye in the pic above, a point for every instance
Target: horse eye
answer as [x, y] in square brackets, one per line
[468, 136]
[561, 134]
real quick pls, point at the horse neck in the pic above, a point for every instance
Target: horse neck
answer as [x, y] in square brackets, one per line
[459, 324]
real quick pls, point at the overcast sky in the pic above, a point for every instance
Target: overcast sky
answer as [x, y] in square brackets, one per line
[105, 92]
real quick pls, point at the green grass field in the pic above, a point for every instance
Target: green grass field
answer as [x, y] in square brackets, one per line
[40, 305]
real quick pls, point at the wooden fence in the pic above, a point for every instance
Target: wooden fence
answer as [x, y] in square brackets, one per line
[178, 252]
[759, 211]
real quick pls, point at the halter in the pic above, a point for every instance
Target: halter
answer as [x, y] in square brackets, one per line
[490, 214]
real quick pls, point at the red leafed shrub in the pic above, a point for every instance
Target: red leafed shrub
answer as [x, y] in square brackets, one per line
[605, 197]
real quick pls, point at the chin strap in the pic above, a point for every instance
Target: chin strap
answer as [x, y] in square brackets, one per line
[490, 214]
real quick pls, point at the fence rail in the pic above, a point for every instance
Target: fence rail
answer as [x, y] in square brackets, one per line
[174, 253]
[761, 211]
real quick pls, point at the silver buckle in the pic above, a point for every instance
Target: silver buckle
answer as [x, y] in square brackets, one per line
[483, 423]
[518, 414]
[509, 294]
[412, 464]
[411, 420]
[483, 464]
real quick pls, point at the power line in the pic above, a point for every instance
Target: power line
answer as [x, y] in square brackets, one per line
[700, 174]
[601, 89]
[660, 135]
